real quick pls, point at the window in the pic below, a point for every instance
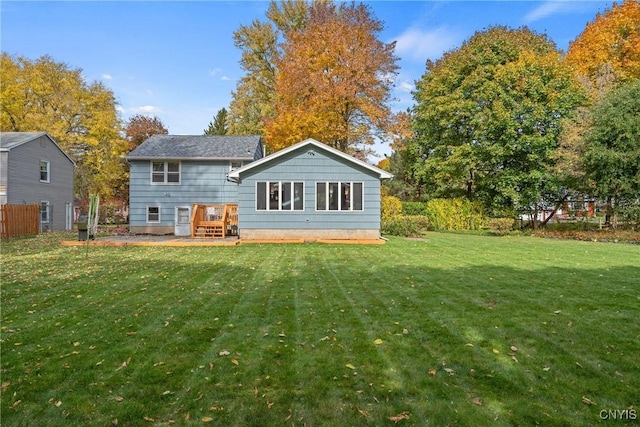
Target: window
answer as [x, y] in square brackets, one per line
[339, 196]
[44, 211]
[44, 171]
[153, 213]
[165, 172]
[235, 164]
[279, 196]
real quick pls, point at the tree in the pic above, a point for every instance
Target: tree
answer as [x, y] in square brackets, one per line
[219, 124]
[45, 95]
[608, 50]
[334, 80]
[253, 100]
[488, 117]
[140, 127]
[612, 155]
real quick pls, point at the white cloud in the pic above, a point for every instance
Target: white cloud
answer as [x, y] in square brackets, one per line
[214, 71]
[549, 8]
[406, 87]
[225, 78]
[419, 45]
[145, 109]
[107, 77]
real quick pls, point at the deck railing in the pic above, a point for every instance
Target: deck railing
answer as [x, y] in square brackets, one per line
[217, 221]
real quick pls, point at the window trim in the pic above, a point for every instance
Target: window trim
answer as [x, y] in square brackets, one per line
[48, 171]
[339, 185]
[148, 221]
[165, 172]
[281, 185]
[231, 162]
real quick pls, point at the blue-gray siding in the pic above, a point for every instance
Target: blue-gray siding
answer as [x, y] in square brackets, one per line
[21, 176]
[201, 181]
[309, 166]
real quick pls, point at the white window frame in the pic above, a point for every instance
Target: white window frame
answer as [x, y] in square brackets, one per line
[280, 186]
[238, 164]
[165, 173]
[159, 214]
[339, 185]
[48, 171]
[45, 212]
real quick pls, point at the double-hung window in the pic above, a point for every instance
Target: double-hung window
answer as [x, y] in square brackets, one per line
[153, 213]
[339, 196]
[279, 196]
[165, 172]
[45, 171]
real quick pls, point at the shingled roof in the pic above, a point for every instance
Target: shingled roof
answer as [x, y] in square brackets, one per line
[198, 147]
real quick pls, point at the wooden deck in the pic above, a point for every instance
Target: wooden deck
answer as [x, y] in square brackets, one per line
[214, 221]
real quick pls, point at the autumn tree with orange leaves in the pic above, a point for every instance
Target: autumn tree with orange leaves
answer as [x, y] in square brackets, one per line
[334, 81]
[608, 50]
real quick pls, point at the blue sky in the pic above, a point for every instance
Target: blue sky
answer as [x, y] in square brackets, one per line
[176, 60]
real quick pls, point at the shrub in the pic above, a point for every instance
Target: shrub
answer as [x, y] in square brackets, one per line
[390, 207]
[405, 225]
[455, 214]
[414, 208]
[501, 226]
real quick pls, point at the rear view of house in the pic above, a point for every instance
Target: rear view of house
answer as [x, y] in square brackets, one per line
[35, 170]
[309, 191]
[169, 174]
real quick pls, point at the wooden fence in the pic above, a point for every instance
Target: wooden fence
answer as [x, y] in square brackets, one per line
[19, 220]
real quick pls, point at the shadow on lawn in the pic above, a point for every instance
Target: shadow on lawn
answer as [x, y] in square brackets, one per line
[302, 328]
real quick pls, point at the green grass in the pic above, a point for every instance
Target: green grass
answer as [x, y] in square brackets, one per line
[318, 334]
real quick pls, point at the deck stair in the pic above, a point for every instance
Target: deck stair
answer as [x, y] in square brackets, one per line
[214, 221]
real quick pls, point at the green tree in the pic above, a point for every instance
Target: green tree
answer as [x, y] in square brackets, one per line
[219, 124]
[612, 154]
[488, 117]
[45, 95]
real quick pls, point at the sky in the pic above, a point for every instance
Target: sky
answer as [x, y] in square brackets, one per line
[176, 59]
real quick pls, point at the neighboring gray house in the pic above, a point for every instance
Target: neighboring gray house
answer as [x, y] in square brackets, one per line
[35, 170]
[171, 173]
[309, 190]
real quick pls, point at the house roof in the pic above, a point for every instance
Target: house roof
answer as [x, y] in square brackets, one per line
[9, 140]
[197, 147]
[235, 174]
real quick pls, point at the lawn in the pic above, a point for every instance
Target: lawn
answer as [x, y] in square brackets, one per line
[454, 329]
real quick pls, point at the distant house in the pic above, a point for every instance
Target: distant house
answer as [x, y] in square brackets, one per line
[306, 191]
[169, 174]
[35, 170]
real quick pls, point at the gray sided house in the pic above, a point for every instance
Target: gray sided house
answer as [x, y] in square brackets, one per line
[171, 173]
[309, 191]
[35, 170]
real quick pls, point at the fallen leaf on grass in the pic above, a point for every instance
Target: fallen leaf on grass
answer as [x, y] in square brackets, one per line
[495, 351]
[350, 366]
[124, 364]
[378, 341]
[206, 419]
[363, 412]
[587, 401]
[449, 371]
[514, 348]
[224, 352]
[151, 420]
[404, 415]
[477, 401]
[432, 371]
[235, 362]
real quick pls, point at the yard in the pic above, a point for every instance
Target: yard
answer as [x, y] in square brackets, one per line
[453, 329]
